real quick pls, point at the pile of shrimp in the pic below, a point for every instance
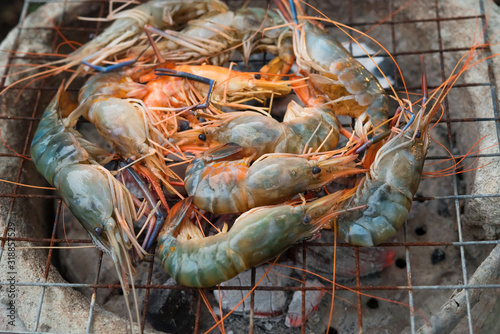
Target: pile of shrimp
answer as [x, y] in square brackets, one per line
[191, 139]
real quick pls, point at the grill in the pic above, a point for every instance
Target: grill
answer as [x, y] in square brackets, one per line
[453, 215]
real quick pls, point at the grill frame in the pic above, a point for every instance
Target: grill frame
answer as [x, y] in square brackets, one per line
[16, 194]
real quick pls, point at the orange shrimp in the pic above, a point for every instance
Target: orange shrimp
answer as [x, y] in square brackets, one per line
[232, 88]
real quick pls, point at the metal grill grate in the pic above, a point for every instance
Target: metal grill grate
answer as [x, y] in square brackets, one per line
[397, 20]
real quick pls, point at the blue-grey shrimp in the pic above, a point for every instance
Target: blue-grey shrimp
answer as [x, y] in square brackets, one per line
[390, 184]
[103, 205]
[332, 70]
[394, 176]
[257, 236]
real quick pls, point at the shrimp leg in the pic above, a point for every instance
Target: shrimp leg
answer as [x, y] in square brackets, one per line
[160, 214]
[110, 68]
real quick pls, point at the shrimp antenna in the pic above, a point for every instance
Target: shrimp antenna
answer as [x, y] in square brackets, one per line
[110, 68]
[294, 11]
[173, 73]
[372, 141]
[424, 98]
[424, 81]
[148, 29]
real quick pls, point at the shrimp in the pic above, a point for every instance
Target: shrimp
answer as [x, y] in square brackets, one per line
[257, 236]
[313, 128]
[215, 36]
[350, 88]
[389, 186]
[129, 132]
[220, 186]
[101, 203]
[232, 87]
[122, 124]
[127, 29]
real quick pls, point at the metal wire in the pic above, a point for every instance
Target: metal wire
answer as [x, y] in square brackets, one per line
[30, 122]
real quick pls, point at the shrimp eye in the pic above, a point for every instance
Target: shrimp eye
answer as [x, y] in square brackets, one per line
[307, 219]
[418, 134]
[257, 76]
[98, 230]
[183, 126]
[202, 137]
[316, 170]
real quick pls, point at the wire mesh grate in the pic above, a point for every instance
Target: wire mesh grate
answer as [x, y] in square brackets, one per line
[390, 21]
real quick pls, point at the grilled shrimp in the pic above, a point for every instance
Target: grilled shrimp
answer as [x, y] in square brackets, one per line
[102, 204]
[257, 236]
[350, 88]
[128, 27]
[116, 120]
[388, 187]
[221, 186]
[120, 122]
[215, 36]
[314, 128]
[232, 88]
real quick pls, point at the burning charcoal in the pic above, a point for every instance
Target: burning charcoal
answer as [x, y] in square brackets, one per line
[313, 298]
[171, 310]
